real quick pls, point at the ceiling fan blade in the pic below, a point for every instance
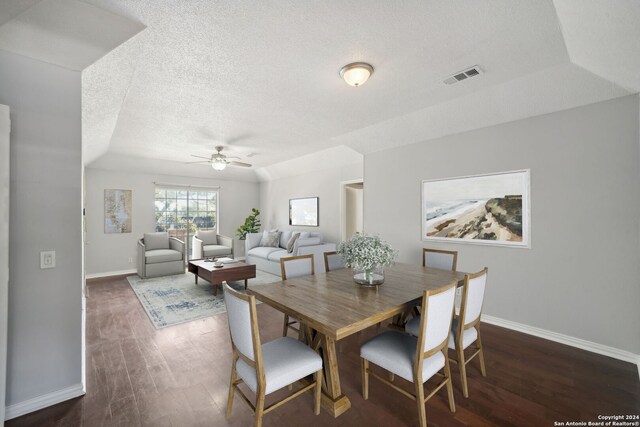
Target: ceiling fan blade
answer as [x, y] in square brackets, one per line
[244, 165]
[201, 157]
[200, 161]
[231, 157]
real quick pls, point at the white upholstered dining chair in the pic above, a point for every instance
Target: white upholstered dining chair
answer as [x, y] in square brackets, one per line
[416, 359]
[333, 261]
[467, 332]
[265, 368]
[290, 267]
[436, 258]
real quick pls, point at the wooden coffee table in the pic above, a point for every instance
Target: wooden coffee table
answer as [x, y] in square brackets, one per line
[226, 273]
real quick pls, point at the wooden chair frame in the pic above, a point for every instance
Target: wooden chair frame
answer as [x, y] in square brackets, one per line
[475, 323]
[419, 397]
[326, 259]
[288, 324]
[454, 265]
[259, 408]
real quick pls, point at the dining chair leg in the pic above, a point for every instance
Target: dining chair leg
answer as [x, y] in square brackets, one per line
[463, 370]
[231, 387]
[422, 411]
[260, 398]
[286, 325]
[365, 379]
[483, 369]
[318, 391]
[447, 375]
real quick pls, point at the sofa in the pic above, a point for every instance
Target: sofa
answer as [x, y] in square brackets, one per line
[209, 244]
[160, 255]
[267, 258]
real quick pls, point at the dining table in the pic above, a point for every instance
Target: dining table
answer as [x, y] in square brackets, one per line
[332, 307]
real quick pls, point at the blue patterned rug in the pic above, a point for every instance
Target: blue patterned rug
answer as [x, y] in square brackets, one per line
[172, 300]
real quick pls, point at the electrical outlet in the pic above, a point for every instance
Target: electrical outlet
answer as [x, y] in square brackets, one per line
[47, 259]
[130, 260]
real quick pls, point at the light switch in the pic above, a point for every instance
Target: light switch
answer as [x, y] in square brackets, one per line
[47, 259]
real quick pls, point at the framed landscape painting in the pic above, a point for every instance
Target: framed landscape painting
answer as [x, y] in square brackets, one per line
[303, 211]
[117, 211]
[488, 209]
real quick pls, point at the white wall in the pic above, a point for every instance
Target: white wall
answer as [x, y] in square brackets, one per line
[108, 253]
[580, 277]
[45, 337]
[325, 184]
[4, 248]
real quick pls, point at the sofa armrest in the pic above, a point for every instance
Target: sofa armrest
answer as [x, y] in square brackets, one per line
[252, 240]
[307, 241]
[196, 247]
[176, 245]
[226, 241]
[141, 259]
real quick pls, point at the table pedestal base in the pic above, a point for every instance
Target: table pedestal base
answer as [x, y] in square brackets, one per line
[335, 407]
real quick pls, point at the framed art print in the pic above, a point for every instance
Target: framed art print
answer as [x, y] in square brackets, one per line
[303, 211]
[490, 209]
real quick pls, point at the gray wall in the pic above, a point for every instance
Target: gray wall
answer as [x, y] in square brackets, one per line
[580, 277]
[325, 184]
[45, 337]
[107, 253]
[4, 248]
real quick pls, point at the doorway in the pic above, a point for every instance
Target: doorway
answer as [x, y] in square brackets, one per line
[352, 208]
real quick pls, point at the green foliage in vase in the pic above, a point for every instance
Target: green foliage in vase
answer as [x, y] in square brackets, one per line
[366, 251]
[251, 224]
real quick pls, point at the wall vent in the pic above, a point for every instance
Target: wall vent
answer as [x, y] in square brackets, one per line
[463, 75]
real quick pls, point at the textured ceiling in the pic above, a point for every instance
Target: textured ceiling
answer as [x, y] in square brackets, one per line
[262, 77]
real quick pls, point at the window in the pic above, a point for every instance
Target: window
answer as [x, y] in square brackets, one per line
[183, 211]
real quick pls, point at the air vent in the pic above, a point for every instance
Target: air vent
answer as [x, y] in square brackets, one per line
[463, 75]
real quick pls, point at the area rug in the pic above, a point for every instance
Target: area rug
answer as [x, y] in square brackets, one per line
[172, 300]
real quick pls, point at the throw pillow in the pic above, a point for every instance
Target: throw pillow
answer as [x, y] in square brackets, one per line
[154, 241]
[292, 242]
[270, 239]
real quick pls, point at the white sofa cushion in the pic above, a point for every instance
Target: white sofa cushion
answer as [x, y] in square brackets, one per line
[262, 252]
[276, 255]
[159, 240]
[214, 250]
[286, 360]
[396, 352]
[284, 238]
[156, 256]
[208, 237]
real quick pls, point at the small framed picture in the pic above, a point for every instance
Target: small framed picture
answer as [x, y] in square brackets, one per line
[303, 211]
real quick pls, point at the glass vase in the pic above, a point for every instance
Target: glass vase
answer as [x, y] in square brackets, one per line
[373, 276]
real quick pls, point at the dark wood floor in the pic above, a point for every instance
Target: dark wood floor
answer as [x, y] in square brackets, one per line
[179, 376]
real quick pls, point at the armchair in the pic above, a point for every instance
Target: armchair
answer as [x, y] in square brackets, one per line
[160, 255]
[210, 244]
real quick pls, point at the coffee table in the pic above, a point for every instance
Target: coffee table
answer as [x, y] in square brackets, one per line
[226, 273]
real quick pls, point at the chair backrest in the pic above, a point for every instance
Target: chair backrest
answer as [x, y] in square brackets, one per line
[435, 258]
[208, 237]
[473, 297]
[333, 261]
[435, 323]
[296, 266]
[243, 323]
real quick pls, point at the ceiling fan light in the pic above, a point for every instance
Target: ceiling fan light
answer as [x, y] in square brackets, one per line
[356, 74]
[218, 165]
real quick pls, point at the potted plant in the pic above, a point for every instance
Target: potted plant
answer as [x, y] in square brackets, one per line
[251, 225]
[367, 255]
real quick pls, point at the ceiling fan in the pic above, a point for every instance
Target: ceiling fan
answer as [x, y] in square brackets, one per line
[219, 161]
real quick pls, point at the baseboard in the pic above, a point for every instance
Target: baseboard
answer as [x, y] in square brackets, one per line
[109, 274]
[593, 347]
[44, 401]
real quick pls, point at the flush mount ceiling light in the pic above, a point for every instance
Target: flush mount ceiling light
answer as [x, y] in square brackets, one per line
[356, 74]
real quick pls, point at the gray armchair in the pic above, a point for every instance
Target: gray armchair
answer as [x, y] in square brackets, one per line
[207, 244]
[160, 255]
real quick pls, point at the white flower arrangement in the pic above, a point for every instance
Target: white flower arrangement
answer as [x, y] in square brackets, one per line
[366, 252]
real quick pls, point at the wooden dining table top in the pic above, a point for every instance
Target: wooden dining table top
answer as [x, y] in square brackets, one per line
[334, 305]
